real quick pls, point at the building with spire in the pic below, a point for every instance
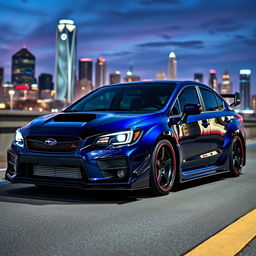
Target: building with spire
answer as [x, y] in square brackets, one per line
[172, 66]
[65, 63]
[130, 77]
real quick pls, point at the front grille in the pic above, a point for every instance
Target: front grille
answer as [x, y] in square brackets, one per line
[57, 171]
[64, 144]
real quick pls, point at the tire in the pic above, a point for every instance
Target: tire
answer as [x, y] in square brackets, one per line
[236, 157]
[163, 168]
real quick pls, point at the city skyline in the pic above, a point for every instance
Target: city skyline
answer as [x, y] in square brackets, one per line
[221, 40]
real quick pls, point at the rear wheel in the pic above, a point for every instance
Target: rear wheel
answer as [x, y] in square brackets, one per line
[163, 168]
[236, 156]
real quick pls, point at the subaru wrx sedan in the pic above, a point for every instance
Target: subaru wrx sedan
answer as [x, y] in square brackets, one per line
[141, 135]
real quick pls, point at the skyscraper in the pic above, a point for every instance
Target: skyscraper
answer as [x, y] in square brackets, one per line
[115, 77]
[65, 62]
[23, 68]
[199, 77]
[213, 80]
[85, 69]
[100, 79]
[245, 88]
[45, 82]
[172, 66]
[226, 84]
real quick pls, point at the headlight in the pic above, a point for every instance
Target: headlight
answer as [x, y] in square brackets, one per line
[18, 137]
[118, 138]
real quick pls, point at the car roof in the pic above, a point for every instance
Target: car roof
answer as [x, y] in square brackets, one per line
[180, 83]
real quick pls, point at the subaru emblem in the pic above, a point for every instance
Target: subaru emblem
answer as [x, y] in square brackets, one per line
[50, 142]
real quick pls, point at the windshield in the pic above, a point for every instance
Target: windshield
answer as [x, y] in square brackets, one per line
[133, 98]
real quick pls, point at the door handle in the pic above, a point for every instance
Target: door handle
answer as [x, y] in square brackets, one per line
[205, 123]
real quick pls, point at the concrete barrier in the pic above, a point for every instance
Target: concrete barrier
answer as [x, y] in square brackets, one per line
[12, 120]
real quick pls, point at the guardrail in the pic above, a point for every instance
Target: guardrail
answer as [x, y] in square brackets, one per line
[11, 120]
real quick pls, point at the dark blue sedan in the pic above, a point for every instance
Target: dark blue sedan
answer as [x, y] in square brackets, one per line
[132, 136]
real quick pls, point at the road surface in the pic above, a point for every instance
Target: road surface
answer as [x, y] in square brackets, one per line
[59, 222]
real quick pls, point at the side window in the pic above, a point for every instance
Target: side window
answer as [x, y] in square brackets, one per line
[175, 109]
[209, 98]
[188, 96]
[220, 103]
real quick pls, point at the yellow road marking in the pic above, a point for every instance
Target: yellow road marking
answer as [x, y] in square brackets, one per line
[230, 240]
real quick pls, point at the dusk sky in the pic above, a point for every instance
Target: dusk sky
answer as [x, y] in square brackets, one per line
[219, 34]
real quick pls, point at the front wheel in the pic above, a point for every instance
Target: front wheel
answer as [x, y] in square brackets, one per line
[163, 168]
[236, 156]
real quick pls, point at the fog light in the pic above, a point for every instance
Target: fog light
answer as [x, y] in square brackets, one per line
[121, 174]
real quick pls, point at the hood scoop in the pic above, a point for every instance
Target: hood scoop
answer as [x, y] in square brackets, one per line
[83, 118]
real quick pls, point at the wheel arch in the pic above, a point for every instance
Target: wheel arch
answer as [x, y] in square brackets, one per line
[176, 146]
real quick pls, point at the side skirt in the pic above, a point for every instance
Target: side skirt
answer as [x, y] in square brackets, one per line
[202, 173]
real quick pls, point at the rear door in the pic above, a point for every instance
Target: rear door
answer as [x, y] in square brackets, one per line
[218, 119]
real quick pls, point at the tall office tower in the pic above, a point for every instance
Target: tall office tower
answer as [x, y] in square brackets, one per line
[226, 84]
[85, 69]
[65, 62]
[23, 68]
[245, 88]
[160, 75]
[172, 66]
[100, 78]
[199, 77]
[115, 77]
[45, 82]
[213, 80]
[1, 84]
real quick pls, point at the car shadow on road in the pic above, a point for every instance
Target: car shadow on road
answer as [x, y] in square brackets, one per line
[30, 194]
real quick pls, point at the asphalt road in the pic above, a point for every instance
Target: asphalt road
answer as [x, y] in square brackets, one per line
[58, 222]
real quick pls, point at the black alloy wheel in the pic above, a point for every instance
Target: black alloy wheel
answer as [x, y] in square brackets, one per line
[163, 168]
[236, 156]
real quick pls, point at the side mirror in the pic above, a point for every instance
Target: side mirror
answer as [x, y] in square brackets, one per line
[190, 109]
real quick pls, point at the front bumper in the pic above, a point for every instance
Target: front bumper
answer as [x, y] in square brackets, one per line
[97, 168]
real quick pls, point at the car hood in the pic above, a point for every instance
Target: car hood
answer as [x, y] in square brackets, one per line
[84, 124]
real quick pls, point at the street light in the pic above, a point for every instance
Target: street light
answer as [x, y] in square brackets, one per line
[11, 93]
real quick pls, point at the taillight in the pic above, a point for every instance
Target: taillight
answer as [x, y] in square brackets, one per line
[240, 118]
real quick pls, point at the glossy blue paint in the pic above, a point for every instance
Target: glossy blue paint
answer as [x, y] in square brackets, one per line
[194, 142]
